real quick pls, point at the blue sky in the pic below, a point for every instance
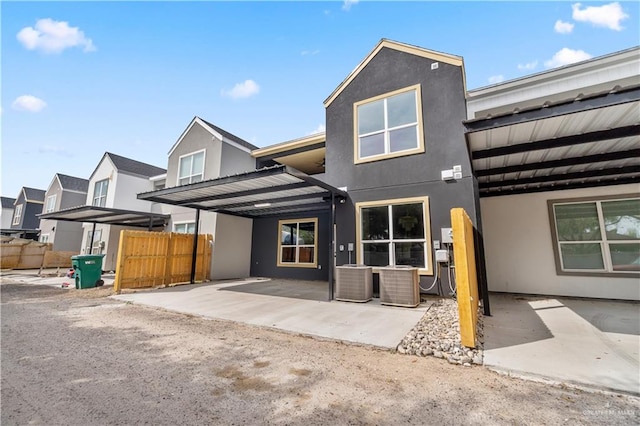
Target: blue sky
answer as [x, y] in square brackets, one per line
[79, 79]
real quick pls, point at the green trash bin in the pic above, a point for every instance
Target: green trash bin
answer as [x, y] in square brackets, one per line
[88, 270]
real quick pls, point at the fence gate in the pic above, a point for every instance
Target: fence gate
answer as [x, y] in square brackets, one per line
[149, 259]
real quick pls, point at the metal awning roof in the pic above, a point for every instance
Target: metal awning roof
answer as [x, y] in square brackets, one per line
[108, 216]
[588, 141]
[269, 191]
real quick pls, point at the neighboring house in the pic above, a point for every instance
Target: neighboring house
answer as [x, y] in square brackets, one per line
[114, 184]
[6, 217]
[64, 192]
[204, 152]
[28, 205]
[557, 155]
[546, 166]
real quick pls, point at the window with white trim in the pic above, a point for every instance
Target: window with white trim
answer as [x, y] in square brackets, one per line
[184, 227]
[44, 238]
[389, 125]
[51, 203]
[297, 242]
[97, 240]
[191, 168]
[100, 193]
[394, 232]
[17, 214]
[599, 236]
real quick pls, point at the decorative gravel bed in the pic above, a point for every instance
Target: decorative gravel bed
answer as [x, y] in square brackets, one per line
[438, 334]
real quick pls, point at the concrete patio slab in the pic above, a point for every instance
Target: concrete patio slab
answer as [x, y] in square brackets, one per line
[364, 323]
[593, 343]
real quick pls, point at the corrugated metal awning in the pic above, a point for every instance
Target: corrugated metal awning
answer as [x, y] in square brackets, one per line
[588, 141]
[108, 216]
[259, 193]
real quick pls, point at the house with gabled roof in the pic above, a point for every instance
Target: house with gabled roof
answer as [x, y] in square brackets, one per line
[27, 205]
[6, 216]
[114, 184]
[63, 192]
[203, 152]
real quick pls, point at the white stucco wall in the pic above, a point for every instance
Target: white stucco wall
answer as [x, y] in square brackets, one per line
[232, 247]
[519, 248]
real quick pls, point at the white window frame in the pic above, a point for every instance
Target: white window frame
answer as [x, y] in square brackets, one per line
[191, 174]
[297, 245]
[428, 268]
[186, 225]
[51, 203]
[17, 214]
[603, 241]
[96, 249]
[420, 147]
[100, 198]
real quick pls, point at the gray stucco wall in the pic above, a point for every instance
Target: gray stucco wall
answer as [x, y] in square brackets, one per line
[234, 161]
[443, 108]
[196, 139]
[264, 249]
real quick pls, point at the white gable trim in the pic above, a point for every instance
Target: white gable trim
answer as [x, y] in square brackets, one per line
[113, 166]
[198, 120]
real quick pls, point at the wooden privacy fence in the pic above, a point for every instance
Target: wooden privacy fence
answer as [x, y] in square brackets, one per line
[149, 259]
[466, 278]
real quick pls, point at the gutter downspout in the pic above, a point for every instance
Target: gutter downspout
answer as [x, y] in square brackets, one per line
[332, 253]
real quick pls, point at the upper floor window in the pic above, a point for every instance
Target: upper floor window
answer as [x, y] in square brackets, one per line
[51, 203]
[597, 236]
[394, 232]
[17, 214]
[191, 168]
[100, 193]
[184, 227]
[388, 126]
[297, 242]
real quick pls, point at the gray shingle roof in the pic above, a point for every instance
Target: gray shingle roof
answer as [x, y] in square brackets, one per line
[231, 136]
[33, 194]
[7, 203]
[73, 183]
[136, 167]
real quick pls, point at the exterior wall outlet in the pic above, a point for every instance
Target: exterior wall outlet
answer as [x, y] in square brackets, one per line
[434, 66]
[457, 168]
[341, 247]
[457, 175]
[350, 246]
[436, 244]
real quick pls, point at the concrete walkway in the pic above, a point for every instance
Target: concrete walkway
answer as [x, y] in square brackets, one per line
[594, 343]
[364, 323]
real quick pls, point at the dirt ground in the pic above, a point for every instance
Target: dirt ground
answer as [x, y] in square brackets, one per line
[78, 358]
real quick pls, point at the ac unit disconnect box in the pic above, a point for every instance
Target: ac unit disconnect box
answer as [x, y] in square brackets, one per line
[442, 256]
[447, 235]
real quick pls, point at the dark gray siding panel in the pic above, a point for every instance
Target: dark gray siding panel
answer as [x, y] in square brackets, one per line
[31, 221]
[264, 249]
[72, 199]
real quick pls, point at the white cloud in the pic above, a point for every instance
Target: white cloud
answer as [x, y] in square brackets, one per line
[529, 66]
[242, 90]
[320, 129]
[51, 36]
[57, 150]
[309, 52]
[346, 5]
[563, 27]
[28, 103]
[608, 15]
[566, 56]
[496, 79]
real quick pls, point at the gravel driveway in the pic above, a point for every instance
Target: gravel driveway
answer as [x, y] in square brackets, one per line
[76, 358]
